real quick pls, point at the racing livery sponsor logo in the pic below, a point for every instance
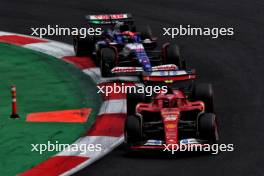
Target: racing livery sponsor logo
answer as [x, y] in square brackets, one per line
[169, 73]
[153, 142]
[107, 17]
[190, 141]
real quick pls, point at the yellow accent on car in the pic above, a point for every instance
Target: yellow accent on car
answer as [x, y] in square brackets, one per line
[168, 81]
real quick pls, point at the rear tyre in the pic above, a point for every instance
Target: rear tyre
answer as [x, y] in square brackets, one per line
[174, 57]
[133, 130]
[208, 128]
[146, 33]
[107, 61]
[204, 92]
[132, 100]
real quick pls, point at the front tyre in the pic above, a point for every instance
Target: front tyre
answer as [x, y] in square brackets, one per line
[108, 56]
[204, 92]
[133, 130]
[83, 46]
[208, 128]
[132, 100]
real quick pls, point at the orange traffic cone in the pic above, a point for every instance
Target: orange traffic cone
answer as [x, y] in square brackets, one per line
[14, 103]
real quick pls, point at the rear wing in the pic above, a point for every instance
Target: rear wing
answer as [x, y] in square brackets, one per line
[170, 76]
[168, 73]
[167, 67]
[109, 18]
[175, 79]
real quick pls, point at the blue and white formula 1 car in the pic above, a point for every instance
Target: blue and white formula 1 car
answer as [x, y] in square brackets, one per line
[121, 45]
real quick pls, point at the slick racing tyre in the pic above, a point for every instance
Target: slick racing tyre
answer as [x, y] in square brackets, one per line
[173, 56]
[208, 128]
[132, 100]
[146, 33]
[133, 130]
[108, 56]
[204, 92]
[83, 46]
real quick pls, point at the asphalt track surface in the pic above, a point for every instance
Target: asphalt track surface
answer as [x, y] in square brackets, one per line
[234, 65]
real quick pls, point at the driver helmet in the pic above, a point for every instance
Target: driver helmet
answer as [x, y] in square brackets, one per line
[166, 103]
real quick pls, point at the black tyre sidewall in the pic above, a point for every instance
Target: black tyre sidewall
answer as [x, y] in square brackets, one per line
[204, 92]
[133, 130]
[83, 46]
[208, 127]
[174, 56]
[132, 100]
[146, 33]
[107, 58]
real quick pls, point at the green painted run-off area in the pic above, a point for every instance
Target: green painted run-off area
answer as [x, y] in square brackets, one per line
[43, 83]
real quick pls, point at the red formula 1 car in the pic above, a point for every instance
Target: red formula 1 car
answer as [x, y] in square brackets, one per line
[174, 117]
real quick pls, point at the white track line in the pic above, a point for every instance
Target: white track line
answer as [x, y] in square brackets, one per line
[113, 107]
[2, 33]
[92, 140]
[52, 48]
[115, 144]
